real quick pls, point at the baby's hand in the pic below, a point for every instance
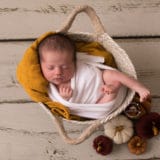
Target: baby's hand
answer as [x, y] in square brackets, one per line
[110, 88]
[65, 91]
[107, 89]
[144, 94]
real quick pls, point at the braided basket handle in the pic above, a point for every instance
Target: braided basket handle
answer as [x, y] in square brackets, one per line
[63, 133]
[97, 25]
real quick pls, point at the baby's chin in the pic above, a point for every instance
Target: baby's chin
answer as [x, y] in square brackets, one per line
[57, 81]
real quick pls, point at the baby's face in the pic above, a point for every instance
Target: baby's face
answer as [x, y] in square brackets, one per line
[57, 67]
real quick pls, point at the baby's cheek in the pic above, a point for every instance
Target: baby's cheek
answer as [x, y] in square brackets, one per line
[48, 76]
[69, 74]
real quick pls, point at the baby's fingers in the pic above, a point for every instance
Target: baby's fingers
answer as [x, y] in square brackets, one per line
[145, 96]
[106, 89]
[67, 90]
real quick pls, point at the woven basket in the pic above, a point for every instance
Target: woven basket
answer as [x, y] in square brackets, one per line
[123, 63]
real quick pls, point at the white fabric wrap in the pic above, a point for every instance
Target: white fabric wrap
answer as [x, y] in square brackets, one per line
[86, 85]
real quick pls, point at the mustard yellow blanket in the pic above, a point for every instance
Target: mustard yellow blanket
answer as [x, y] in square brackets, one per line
[31, 78]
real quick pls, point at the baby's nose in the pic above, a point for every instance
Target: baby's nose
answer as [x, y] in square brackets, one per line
[58, 70]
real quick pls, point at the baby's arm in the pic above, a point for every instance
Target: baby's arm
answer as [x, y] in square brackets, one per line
[114, 75]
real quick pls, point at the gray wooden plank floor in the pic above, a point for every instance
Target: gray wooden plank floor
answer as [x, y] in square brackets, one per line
[26, 131]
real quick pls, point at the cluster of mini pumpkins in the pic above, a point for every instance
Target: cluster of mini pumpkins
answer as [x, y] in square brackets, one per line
[134, 126]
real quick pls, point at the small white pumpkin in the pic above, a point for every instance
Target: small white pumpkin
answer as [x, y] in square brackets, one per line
[119, 129]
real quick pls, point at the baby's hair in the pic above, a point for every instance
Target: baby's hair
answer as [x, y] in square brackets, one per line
[57, 42]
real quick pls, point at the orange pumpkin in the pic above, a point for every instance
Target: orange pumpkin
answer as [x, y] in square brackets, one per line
[137, 145]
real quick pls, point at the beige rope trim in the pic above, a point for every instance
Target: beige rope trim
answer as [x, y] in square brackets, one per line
[83, 136]
[98, 27]
[59, 125]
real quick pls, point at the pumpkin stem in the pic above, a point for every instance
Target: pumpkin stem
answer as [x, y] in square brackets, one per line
[155, 129]
[99, 147]
[119, 128]
[138, 144]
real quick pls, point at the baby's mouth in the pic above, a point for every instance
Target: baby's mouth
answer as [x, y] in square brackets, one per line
[58, 78]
